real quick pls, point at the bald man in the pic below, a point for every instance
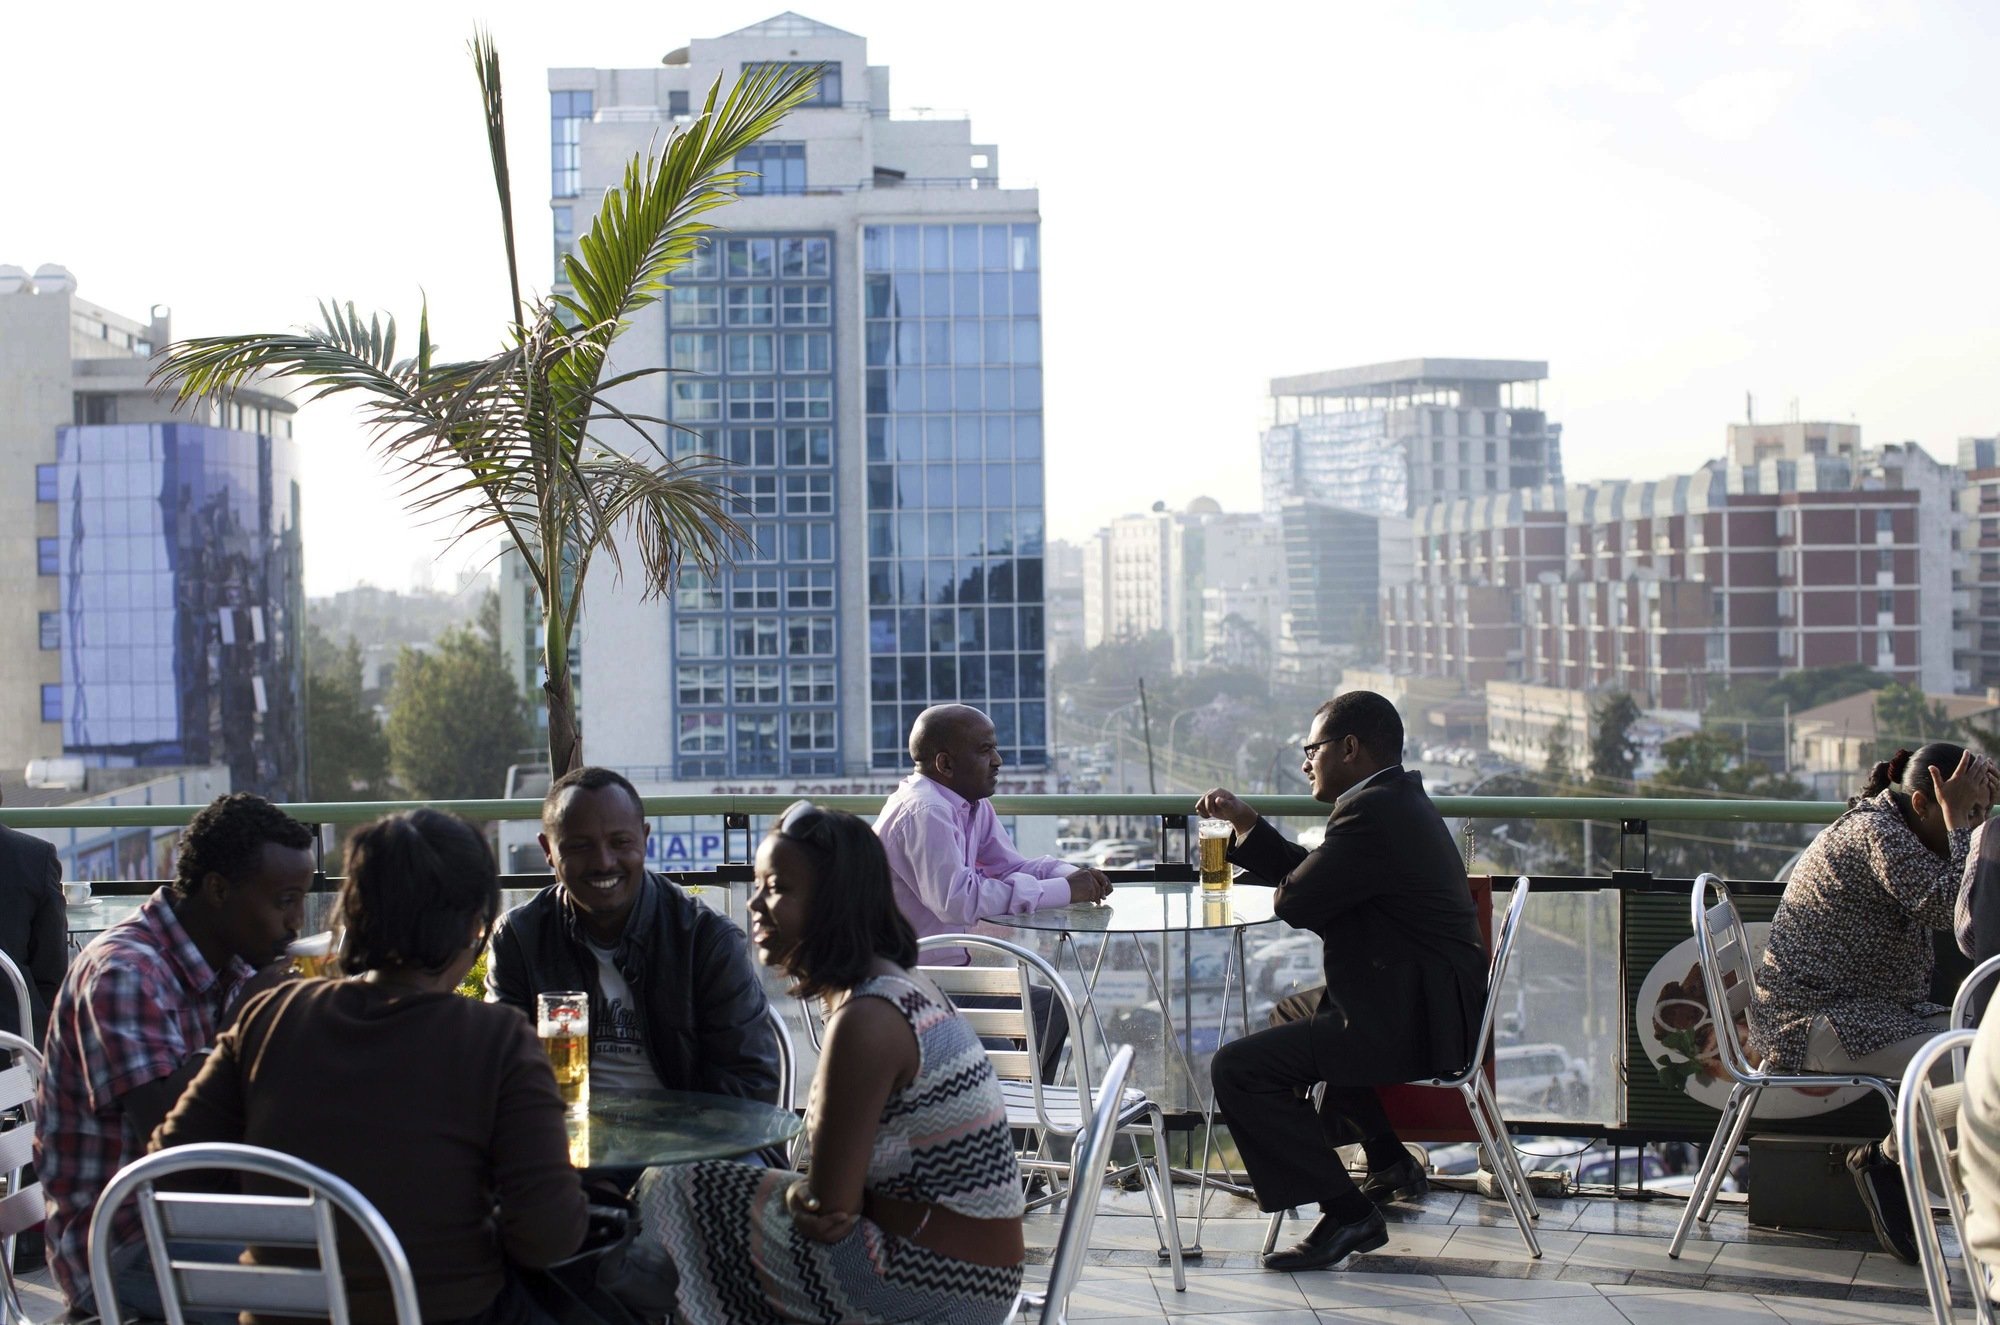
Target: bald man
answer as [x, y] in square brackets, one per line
[953, 864]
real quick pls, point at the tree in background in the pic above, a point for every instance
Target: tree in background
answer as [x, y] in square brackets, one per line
[1613, 753]
[1756, 710]
[1712, 761]
[456, 719]
[1555, 767]
[1905, 718]
[512, 444]
[347, 755]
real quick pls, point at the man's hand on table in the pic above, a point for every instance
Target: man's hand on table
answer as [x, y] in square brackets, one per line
[1222, 803]
[1089, 885]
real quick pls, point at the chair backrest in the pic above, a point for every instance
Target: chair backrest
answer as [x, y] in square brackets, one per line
[1013, 1022]
[297, 1222]
[21, 1209]
[26, 1015]
[1093, 1148]
[788, 1058]
[1925, 1153]
[1726, 970]
[1969, 1004]
[1496, 971]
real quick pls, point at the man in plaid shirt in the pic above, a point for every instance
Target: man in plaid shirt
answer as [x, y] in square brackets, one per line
[141, 1007]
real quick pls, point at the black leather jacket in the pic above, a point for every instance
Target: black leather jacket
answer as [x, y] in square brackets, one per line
[701, 1006]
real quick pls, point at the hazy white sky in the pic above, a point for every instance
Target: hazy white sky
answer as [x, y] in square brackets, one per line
[1672, 203]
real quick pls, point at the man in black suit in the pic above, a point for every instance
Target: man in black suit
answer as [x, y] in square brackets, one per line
[1405, 982]
[34, 928]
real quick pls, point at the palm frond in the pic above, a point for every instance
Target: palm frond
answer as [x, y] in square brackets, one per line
[486, 61]
[679, 515]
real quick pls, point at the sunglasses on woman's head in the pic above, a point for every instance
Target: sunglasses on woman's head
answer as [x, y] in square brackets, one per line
[805, 821]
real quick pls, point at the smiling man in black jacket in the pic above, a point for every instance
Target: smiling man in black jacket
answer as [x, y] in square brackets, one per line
[675, 1002]
[1405, 981]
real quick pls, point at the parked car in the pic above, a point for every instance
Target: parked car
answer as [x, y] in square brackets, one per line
[1541, 1076]
[1125, 856]
[1286, 966]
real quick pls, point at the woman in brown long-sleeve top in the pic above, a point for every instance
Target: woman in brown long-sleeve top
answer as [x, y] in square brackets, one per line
[440, 1109]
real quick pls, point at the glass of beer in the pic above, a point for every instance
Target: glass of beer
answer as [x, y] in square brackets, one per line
[312, 956]
[1215, 835]
[562, 1020]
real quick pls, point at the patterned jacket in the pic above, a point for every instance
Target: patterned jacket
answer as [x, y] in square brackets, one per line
[1852, 937]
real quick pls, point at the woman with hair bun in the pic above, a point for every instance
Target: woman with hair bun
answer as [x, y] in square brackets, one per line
[440, 1109]
[1844, 985]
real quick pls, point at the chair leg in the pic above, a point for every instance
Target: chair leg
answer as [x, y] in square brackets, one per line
[1511, 1168]
[1271, 1233]
[1502, 1151]
[1710, 1162]
[1729, 1148]
[1160, 1188]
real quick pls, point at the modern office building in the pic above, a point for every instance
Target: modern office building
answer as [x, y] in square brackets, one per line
[151, 604]
[1799, 549]
[862, 342]
[1391, 438]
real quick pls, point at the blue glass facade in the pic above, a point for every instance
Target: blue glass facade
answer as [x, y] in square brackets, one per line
[756, 666]
[954, 482]
[182, 600]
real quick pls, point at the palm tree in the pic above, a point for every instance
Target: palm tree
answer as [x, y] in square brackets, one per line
[507, 443]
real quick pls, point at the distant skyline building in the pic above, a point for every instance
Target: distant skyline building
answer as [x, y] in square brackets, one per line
[1153, 571]
[161, 624]
[1390, 438]
[862, 341]
[1798, 549]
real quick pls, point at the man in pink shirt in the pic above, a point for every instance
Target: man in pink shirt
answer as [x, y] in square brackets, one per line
[953, 864]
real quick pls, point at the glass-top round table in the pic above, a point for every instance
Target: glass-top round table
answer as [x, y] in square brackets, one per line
[1166, 910]
[1153, 908]
[639, 1130]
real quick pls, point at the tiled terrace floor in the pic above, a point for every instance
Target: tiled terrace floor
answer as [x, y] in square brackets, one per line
[1457, 1260]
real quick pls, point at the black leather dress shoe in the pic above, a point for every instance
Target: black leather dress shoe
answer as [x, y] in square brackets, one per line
[1330, 1242]
[1401, 1181]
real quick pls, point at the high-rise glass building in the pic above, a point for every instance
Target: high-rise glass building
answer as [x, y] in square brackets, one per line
[151, 595]
[862, 343]
[182, 600]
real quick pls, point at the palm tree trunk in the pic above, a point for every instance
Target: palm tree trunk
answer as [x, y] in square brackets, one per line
[565, 739]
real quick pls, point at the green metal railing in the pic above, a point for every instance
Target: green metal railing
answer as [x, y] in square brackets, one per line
[1595, 808]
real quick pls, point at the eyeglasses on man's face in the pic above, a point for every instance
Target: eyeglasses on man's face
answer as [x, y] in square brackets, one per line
[1312, 749]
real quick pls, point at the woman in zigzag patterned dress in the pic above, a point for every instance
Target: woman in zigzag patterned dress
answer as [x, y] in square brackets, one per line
[912, 1211]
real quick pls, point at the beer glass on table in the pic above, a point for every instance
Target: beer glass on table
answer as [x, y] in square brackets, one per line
[562, 1020]
[1214, 839]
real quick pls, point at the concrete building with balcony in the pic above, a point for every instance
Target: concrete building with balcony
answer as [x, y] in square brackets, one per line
[151, 584]
[862, 342]
[1779, 556]
[1976, 600]
[1391, 438]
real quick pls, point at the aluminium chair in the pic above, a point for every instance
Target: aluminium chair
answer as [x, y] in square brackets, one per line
[788, 1071]
[1472, 1085]
[1918, 1136]
[1728, 974]
[1969, 1004]
[1053, 1110]
[26, 1015]
[1093, 1149]
[21, 1209]
[295, 1222]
